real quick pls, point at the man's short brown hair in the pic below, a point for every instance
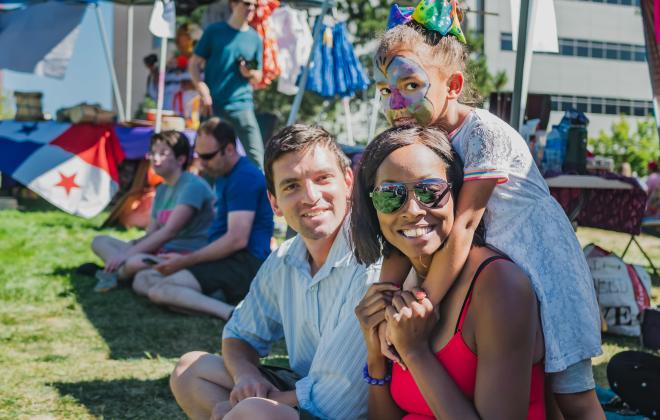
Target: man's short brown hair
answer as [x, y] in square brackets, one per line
[296, 138]
[222, 132]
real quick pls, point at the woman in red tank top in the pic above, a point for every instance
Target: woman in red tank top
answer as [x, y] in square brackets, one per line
[479, 353]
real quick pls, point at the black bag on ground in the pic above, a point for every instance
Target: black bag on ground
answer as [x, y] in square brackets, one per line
[635, 377]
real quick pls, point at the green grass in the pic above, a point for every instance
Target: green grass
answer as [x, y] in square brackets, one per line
[68, 352]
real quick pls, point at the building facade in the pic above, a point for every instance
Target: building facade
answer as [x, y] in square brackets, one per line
[600, 68]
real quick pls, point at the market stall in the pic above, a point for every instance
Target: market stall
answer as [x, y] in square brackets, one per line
[607, 201]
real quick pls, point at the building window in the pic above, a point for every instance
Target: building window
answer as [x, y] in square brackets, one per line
[597, 49]
[611, 107]
[611, 51]
[506, 41]
[625, 107]
[555, 103]
[568, 102]
[582, 48]
[625, 53]
[596, 105]
[639, 109]
[619, 2]
[566, 47]
[587, 48]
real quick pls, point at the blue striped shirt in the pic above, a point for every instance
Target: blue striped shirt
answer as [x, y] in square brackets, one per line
[316, 316]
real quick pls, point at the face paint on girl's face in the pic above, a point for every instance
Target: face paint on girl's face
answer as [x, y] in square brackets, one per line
[403, 86]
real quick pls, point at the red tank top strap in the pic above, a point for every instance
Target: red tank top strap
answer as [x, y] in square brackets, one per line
[468, 296]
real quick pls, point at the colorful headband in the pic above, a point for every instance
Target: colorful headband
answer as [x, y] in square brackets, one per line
[436, 15]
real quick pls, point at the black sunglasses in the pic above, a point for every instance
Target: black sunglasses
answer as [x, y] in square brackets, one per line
[208, 156]
[389, 197]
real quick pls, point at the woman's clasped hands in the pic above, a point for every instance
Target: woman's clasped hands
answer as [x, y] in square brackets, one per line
[407, 317]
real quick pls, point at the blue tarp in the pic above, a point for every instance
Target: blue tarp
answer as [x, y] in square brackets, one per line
[40, 39]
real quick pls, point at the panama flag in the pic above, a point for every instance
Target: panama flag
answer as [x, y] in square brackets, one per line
[72, 166]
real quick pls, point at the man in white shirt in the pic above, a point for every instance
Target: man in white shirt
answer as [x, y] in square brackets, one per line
[305, 292]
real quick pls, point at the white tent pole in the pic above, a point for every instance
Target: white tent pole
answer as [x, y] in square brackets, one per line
[161, 84]
[523, 62]
[373, 119]
[303, 79]
[111, 67]
[656, 112]
[129, 62]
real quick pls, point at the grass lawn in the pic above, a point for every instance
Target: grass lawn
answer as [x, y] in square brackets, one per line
[68, 352]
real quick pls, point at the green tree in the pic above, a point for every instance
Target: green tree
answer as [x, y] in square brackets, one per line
[637, 147]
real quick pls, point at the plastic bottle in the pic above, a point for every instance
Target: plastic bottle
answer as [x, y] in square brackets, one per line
[552, 154]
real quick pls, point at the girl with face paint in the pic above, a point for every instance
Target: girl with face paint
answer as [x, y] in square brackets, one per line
[420, 72]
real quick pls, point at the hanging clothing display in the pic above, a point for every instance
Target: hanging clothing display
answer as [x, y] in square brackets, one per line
[261, 23]
[294, 41]
[336, 70]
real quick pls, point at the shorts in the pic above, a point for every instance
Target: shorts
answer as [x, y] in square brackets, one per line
[578, 377]
[284, 379]
[232, 275]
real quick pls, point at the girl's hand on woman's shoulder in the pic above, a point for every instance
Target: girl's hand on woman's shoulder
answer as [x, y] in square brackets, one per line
[410, 321]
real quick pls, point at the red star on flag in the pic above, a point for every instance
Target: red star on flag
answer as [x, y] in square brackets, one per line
[67, 182]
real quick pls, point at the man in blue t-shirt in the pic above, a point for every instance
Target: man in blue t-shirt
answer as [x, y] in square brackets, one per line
[231, 54]
[239, 237]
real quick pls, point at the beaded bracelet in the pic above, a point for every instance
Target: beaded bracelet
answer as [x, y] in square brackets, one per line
[373, 381]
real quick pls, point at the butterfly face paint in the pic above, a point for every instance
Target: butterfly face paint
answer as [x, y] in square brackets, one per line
[403, 86]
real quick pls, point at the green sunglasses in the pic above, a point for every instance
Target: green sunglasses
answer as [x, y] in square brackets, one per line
[389, 197]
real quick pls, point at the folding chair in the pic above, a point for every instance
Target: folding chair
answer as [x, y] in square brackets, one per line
[650, 228]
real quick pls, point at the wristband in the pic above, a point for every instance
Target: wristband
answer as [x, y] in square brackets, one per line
[374, 381]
